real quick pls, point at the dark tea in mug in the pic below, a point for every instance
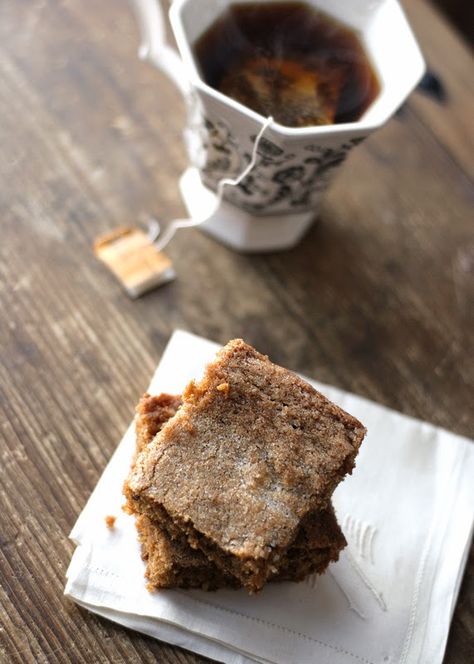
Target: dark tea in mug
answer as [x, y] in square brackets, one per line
[288, 60]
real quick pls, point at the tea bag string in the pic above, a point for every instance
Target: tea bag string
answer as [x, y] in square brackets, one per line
[161, 238]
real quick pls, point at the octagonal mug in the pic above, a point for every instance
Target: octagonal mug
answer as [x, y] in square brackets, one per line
[280, 198]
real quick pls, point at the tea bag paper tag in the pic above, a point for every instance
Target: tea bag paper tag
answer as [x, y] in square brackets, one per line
[132, 257]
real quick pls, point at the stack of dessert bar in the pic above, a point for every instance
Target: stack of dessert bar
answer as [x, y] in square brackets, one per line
[232, 482]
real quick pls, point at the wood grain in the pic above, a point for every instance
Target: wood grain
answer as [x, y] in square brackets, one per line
[378, 299]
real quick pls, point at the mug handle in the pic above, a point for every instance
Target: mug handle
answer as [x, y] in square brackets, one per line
[153, 43]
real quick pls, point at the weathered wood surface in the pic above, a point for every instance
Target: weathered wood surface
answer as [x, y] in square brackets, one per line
[378, 299]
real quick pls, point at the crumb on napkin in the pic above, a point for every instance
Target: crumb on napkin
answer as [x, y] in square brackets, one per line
[110, 521]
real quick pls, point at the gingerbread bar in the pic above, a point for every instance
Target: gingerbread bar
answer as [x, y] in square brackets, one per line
[251, 453]
[173, 563]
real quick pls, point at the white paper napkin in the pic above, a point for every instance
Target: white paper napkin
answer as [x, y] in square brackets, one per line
[407, 513]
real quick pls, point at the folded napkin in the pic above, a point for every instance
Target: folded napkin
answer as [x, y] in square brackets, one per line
[407, 513]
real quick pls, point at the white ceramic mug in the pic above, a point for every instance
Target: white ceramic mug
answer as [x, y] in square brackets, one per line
[280, 198]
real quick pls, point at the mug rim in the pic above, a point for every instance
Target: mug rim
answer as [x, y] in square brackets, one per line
[360, 126]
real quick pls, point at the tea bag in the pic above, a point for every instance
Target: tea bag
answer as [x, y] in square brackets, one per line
[297, 95]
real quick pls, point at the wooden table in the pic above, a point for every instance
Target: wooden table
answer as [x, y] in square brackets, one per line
[377, 299]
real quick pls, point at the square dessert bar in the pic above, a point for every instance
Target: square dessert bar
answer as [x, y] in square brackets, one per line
[173, 563]
[251, 453]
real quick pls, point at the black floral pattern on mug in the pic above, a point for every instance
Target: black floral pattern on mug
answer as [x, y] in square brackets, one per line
[222, 154]
[281, 182]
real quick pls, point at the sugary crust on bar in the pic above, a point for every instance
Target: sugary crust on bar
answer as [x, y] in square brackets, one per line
[251, 452]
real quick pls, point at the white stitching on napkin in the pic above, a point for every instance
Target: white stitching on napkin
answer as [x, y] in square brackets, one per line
[416, 593]
[370, 545]
[422, 567]
[311, 580]
[281, 628]
[367, 583]
[363, 534]
[104, 572]
[351, 603]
